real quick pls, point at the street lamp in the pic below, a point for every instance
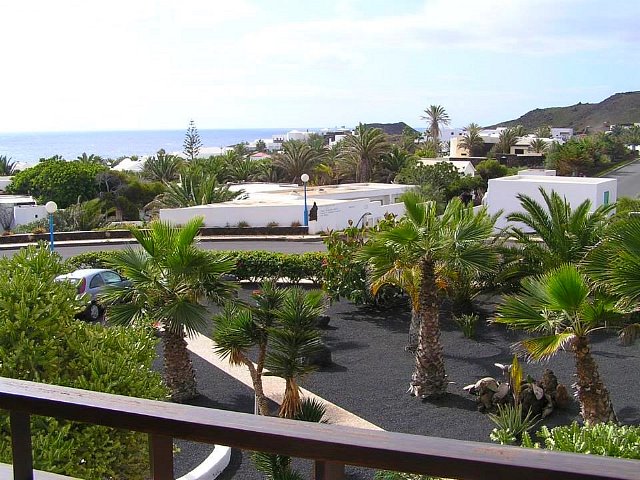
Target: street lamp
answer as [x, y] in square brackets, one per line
[51, 208]
[305, 178]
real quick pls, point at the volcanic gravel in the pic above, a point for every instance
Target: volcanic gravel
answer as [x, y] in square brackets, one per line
[371, 372]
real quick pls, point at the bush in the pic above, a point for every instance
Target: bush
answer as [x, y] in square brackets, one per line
[41, 341]
[621, 441]
[253, 265]
[467, 323]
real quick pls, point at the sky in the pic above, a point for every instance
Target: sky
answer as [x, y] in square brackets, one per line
[156, 64]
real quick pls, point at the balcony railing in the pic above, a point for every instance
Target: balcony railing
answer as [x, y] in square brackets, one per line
[330, 446]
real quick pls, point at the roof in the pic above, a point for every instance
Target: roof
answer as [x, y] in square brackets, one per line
[553, 179]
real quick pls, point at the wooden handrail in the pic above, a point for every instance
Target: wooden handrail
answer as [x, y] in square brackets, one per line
[331, 444]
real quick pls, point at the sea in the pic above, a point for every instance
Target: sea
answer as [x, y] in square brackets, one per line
[29, 148]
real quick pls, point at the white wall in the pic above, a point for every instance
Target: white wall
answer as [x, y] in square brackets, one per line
[28, 214]
[502, 192]
[4, 183]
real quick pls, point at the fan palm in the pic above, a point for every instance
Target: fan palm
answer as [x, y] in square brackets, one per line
[554, 233]
[296, 159]
[615, 265]
[365, 148]
[422, 240]
[391, 163]
[295, 338]
[170, 278]
[538, 145]
[436, 116]
[240, 328]
[560, 307]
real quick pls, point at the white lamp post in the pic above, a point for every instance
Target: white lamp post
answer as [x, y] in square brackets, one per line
[305, 178]
[51, 208]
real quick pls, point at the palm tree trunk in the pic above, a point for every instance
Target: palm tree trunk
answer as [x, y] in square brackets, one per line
[363, 172]
[291, 400]
[256, 377]
[179, 374]
[595, 403]
[414, 331]
[429, 378]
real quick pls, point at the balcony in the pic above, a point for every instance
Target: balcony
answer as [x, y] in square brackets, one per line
[330, 446]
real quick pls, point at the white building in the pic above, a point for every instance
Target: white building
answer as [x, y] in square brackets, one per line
[19, 210]
[502, 192]
[464, 167]
[264, 204]
[4, 183]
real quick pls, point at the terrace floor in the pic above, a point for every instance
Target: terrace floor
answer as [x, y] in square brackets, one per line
[371, 373]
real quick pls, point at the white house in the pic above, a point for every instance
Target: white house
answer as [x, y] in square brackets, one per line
[464, 167]
[19, 210]
[4, 183]
[284, 205]
[502, 192]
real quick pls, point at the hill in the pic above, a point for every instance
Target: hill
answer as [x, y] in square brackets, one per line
[391, 128]
[617, 109]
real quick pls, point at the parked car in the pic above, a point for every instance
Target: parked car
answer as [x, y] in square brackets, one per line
[92, 281]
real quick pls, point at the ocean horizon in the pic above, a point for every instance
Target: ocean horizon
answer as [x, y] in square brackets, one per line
[30, 147]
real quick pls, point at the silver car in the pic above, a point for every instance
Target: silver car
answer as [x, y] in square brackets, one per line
[92, 281]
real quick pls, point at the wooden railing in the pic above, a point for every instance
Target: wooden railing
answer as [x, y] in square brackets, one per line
[330, 446]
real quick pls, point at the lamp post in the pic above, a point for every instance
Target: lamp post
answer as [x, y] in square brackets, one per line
[51, 208]
[305, 178]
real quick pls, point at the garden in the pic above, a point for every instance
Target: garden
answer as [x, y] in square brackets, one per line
[437, 327]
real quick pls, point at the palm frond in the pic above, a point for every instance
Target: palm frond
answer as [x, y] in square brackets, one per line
[543, 348]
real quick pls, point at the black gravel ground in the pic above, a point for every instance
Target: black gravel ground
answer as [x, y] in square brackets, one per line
[371, 374]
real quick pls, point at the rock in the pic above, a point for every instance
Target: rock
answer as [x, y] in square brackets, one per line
[549, 382]
[562, 398]
[321, 358]
[323, 321]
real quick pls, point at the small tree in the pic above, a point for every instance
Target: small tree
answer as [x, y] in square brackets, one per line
[192, 143]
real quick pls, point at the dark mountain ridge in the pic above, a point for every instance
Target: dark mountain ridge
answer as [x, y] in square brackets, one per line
[621, 108]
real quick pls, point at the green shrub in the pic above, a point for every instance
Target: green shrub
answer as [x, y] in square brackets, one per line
[252, 265]
[467, 323]
[511, 424]
[41, 341]
[621, 441]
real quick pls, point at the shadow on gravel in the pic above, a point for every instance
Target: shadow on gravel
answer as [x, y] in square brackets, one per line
[453, 400]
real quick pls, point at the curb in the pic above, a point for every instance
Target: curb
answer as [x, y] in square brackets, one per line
[212, 466]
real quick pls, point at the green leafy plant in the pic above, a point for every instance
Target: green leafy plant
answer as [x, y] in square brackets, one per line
[467, 323]
[52, 347]
[607, 439]
[243, 224]
[511, 424]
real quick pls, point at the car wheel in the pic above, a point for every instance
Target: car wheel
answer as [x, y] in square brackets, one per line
[93, 312]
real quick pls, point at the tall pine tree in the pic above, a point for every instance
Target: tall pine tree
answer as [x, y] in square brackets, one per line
[192, 142]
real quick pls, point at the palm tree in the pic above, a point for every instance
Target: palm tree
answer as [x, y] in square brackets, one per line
[538, 145]
[560, 307]
[391, 163]
[365, 148]
[240, 328]
[170, 278]
[423, 240]
[554, 233]
[162, 168]
[436, 116]
[543, 131]
[7, 167]
[507, 139]
[295, 339]
[194, 190]
[471, 140]
[296, 159]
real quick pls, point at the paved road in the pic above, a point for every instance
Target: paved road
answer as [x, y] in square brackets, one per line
[282, 246]
[628, 180]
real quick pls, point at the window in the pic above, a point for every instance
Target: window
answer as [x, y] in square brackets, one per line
[96, 281]
[111, 277]
[606, 197]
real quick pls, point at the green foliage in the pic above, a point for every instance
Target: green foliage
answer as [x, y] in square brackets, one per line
[41, 341]
[586, 155]
[252, 265]
[491, 168]
[192, 142]
[7, 167]
[58, 180]
[433, 180]
[511, 424]
[81, 217]
[467, 323]
[608, 439]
